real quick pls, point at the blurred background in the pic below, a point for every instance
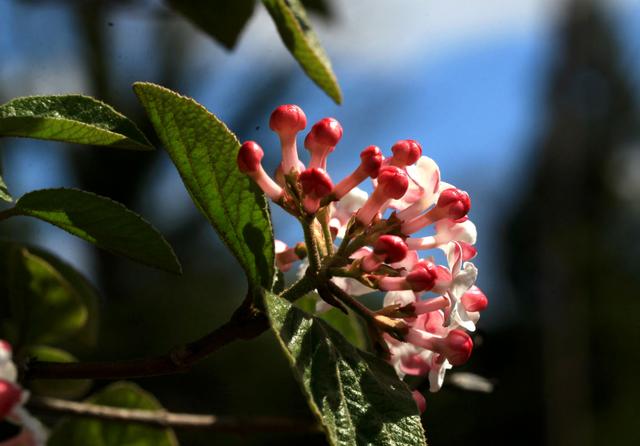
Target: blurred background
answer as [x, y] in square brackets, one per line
[532, 106]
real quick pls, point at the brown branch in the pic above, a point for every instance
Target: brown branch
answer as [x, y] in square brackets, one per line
[163, 418]
[246, 323]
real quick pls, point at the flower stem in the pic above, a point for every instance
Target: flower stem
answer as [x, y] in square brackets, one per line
[299, 288]
[312, 246]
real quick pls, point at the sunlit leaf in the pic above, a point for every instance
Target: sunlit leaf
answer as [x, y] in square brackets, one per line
[204, 151]
[70, 118]
[300, 39]
[356, 396]
[101, 221]
[224, 20]
[85, 432]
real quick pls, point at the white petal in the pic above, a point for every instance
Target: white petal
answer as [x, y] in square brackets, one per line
[405, 297]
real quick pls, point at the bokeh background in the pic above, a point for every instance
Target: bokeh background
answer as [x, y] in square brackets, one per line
[531, 105]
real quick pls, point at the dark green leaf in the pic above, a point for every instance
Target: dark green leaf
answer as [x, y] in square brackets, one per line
[101, 221]
[4, 192]
[57, 388]
[204, 151]
[88, 335]
[298, 36]
[356, 396]
[222, 19]
[90, 432]
[43, 306]
[71, 118]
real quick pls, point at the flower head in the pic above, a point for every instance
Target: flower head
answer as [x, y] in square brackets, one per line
[356, 243]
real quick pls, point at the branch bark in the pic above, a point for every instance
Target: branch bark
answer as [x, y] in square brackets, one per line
[247, 322]
[174, 420]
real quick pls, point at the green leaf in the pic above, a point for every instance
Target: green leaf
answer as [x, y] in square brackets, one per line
[204, 151]
[356, 396]
[298, 36]
[4, 192]
[101, 221]
[222, 19]
[88, 335]
[57, 388]
[84, 432]
[43, 306]
[71, 118]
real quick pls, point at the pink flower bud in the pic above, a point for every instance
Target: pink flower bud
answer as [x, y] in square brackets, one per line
[388, 248]
[316, 184]
[321, 140]
[474, 299]
[10, 395]
[249, 162]
[421, 402]
[453, 203]
[392, 184]
[250, 157]
[422, 277]
[287, 121]
[370, 162]
[456, 201]
[391, 248]
[456, 347]
[406, 152]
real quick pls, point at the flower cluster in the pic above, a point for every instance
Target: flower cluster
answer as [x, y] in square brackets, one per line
[428, 308]
[12, 400]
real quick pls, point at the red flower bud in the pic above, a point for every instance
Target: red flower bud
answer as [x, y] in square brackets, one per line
[371, 159]
[315, 183]
[456, 200]
[323, 135]
[287, 119]
[474, 299]
[10, 395]
[406, 152]
[392, 182]
[391, 248]
[457, 347]
[249, 157]
[423, 276]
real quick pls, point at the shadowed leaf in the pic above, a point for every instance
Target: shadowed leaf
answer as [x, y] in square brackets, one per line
[85, 432]
[101, 221]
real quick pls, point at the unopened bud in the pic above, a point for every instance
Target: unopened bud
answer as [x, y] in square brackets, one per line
[457, 201]
[10, 395]
[391, 248]
[474, 299]
[249, 162]
[392, 184]
[316, 184]
[287, 119]
[321, 140]
[250, 157]
[406, 152]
